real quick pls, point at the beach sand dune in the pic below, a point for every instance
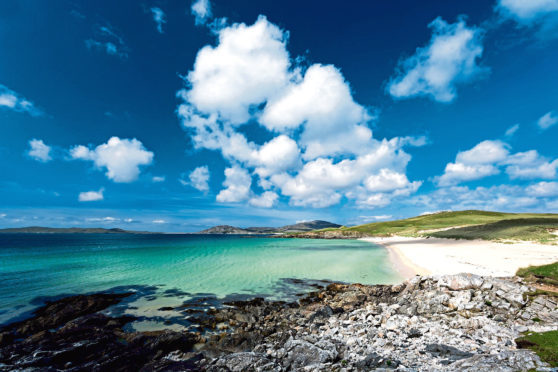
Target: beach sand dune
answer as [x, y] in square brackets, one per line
[432, 256]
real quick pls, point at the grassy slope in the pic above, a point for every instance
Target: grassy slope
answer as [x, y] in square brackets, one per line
[470, 224]
[531, 229]
[413, 226]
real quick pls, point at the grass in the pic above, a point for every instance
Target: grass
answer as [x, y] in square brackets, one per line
[470, 224]
[544, 344]
[531, 229]
[545, 274]
[549, 271]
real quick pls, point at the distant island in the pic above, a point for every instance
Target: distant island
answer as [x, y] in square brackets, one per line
[68, 230]
[298, 227]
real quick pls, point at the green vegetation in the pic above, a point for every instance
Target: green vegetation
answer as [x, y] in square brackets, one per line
[546, 274]
[470, 224]
[532, 229]
[544, 344]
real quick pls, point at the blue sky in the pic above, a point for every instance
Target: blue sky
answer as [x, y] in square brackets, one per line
[177, 115]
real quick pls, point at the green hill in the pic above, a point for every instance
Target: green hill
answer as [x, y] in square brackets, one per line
[470, 224]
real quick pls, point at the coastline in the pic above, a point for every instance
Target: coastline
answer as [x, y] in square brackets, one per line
[434, 256]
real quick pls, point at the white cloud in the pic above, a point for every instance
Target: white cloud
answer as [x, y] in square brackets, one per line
[529, 165]
[526, 11]
[450, 58]
[107, 41]
[320, 148]
[39, 151]
[157, 179]
[278, 155]
[387, 180]
[199, 178]
[237, 185]
[122, 158]
[159, 221]
[201, 9]
[512, 130]
[486, 152]
[547, 120]
[486, 159]
[91, 196]
[159, 18]
[543, 189]
[12, 101]
[333, 122]
[249, 65]
[455, 173]
[475, 163]
[265, 200]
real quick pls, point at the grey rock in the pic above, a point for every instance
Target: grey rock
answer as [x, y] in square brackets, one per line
[302, 353]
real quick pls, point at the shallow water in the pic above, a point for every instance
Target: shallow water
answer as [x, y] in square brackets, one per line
[167, 270]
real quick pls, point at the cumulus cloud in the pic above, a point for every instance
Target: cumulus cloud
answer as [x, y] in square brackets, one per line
[333, 122]
[199, 178]
[475, 163]
[91, 196]
[39, 151]
[320, 148]
[159, 18]
[201, 9]
[106, 40]
[547, 120]
[451, 58]
[10, 100]
[266, 200]
[157, 179]
[249, 65]
[121, 158]
[488, 157]
[237, 185]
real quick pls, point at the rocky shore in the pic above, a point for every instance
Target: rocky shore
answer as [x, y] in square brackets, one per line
[448, 323]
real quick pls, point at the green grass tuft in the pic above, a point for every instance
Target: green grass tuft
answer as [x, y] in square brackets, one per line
[549, 271]
[544, 344]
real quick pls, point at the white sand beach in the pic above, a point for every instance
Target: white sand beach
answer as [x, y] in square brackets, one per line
[432, 256]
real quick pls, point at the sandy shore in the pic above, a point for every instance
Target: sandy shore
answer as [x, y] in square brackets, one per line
[433, 256]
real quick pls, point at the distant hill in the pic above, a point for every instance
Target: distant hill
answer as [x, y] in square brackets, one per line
[69, 230]
[299, 227]
[469, 224]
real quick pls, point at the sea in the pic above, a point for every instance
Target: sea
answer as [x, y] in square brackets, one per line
[171, 274]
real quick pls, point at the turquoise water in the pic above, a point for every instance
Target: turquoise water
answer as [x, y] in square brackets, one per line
[167, 270]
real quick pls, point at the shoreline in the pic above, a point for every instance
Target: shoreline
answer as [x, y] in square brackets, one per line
[435, 256]
[441, 323]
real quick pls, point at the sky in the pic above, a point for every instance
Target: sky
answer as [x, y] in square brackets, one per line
[177, 115]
